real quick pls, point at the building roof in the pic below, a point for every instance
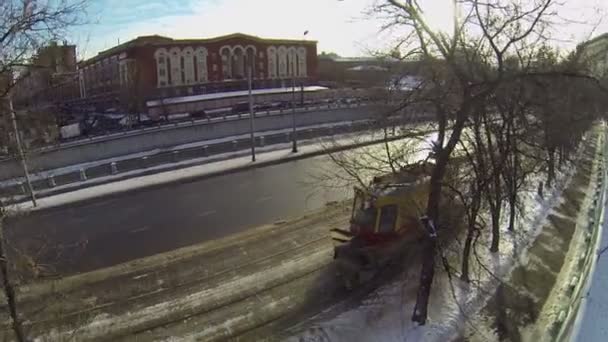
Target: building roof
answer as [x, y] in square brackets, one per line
[162, 40]
[229, 94]
[361, 60]
[594, 48]
[367, 68]
[592, 41]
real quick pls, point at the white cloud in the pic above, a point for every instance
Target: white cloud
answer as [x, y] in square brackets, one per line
[339, 26]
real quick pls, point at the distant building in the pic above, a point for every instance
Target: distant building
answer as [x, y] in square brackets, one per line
[50, 78]
[57, 59]
[595, 53]
[360, 72]
[156, 67]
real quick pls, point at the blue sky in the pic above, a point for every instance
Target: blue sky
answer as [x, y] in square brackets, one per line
[338, 26]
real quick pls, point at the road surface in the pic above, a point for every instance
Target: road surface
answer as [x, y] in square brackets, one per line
[112, 230]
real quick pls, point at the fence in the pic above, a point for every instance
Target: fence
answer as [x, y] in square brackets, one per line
[80, 175]
[178, 133]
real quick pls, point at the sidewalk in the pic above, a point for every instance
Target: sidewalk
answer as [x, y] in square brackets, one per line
[192, 169]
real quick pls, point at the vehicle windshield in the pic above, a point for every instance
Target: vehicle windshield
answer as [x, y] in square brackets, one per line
[365, 219]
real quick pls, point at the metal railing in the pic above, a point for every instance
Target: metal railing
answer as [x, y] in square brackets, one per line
[117, 167]
[202, 121]
[191, 156]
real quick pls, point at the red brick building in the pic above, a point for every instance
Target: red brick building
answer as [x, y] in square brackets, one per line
[51, 78]
[156, 67]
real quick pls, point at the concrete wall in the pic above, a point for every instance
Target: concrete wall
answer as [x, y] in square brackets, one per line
[171, 136]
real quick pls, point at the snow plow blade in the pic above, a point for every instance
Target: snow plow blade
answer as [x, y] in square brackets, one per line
[341, 236]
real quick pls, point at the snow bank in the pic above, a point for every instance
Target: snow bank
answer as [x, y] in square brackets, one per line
[386, 314]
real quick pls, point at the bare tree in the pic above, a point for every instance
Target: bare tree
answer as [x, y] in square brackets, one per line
[26, 26]
[131, 95]
[465, 70]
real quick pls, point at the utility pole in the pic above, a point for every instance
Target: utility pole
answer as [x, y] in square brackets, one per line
[294, 133]
[251, 123]
[294, 136]
[21, 153]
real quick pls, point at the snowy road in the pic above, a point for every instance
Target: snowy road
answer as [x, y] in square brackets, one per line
[107, 230]
[137, 224]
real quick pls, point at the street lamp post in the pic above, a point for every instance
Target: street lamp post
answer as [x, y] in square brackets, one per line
[294, 132]
[21, 153]
[294, 136]
[251, 118]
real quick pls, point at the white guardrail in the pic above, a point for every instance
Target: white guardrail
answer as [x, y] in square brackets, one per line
[203, 121]
[568, 320]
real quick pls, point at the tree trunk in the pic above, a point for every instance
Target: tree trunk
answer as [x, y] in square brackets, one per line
[512, 174]
[427, 274]
[474, 207]
[495, 197]
[513, 190]
[495, 213]
[512, 210]
[7, 286]
[466, 252]
[551, 167]
[427, 271]
[496, 201]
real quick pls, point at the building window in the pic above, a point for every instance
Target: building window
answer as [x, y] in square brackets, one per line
[161, 67]
[250, 60]
[238, 63]
[226, 54]
[201, 65]
[272, 62]
[282, 61]
[291, 62]
[302, 62]
[187, 64]
[176, 67]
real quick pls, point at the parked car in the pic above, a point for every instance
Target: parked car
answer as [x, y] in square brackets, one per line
[240, 107]
[71, 131]
[198, 114]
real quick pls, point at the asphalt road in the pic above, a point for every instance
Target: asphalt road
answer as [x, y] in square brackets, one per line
[111, 230]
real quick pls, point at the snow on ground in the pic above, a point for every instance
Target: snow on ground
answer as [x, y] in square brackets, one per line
[386, 314]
